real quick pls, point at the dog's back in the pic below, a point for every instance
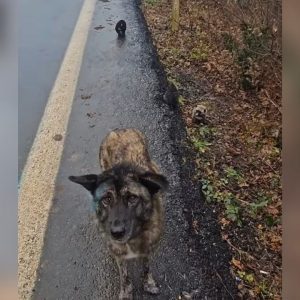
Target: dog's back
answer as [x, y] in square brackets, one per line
[129, 147]
[125, 146]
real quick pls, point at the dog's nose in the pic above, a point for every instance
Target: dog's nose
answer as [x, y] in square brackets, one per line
[118, 232]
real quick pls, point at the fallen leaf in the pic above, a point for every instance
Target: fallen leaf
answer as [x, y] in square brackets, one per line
[237, 264]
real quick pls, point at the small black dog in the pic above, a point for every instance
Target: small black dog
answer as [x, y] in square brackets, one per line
[121, 28]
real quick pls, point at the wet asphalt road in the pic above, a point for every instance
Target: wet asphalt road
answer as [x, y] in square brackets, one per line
[45, 30]
[120, 86]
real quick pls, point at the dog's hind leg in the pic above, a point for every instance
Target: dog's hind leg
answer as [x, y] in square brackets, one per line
[126, 290]
[150, 285]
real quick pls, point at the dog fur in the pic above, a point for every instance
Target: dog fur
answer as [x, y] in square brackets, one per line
[128, 202]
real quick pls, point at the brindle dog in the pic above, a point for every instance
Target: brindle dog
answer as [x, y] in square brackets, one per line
[128, 202]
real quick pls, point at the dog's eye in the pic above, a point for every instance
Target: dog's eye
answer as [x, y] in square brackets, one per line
[132, 200]
[106, 200]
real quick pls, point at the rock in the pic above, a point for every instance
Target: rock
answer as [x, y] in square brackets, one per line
[186, 295]
[86, 97]
[91, 115]
[199, 114]
[58, 137]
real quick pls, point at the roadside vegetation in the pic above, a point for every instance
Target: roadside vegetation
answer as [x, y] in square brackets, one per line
[226, 56]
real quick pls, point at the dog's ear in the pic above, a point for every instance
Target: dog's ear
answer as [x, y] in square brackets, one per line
[90, 182]
[154, 182]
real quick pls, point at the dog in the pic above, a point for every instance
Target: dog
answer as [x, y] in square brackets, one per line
[121, 28]
[128, 200]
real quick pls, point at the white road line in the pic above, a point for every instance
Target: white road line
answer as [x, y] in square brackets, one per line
[37, 184]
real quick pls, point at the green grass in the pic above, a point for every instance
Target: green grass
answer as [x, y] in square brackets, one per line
[230, 172]
[233, 211]
[200, 53]
[151, 2]
[200, 145]
[181, 100]
[174, 81]
[261, 202]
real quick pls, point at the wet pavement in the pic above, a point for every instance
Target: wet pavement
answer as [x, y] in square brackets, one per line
[45, 30]
[120, 86]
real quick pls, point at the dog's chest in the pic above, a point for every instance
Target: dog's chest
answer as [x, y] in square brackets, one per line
[130, 253]
[125, 251]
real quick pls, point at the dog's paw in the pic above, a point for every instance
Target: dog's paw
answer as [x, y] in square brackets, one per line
[126, 293]
[150, 286]
[123, 296]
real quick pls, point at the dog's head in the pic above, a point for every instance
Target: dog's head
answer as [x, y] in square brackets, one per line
[124, 199]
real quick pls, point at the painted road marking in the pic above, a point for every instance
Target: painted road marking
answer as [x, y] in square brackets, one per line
[37, 184]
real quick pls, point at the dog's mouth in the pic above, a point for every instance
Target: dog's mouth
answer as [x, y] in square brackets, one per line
[120, 239]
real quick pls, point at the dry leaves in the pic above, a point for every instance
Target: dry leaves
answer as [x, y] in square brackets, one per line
[240, 150]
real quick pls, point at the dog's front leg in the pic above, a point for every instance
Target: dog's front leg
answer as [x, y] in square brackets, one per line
[126, 290]
[150, 285]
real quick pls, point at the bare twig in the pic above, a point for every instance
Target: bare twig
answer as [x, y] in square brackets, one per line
[239, 250]
[270, 100]
[224, 284]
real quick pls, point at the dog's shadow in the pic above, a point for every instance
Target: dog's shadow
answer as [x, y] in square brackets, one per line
[120, 41]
